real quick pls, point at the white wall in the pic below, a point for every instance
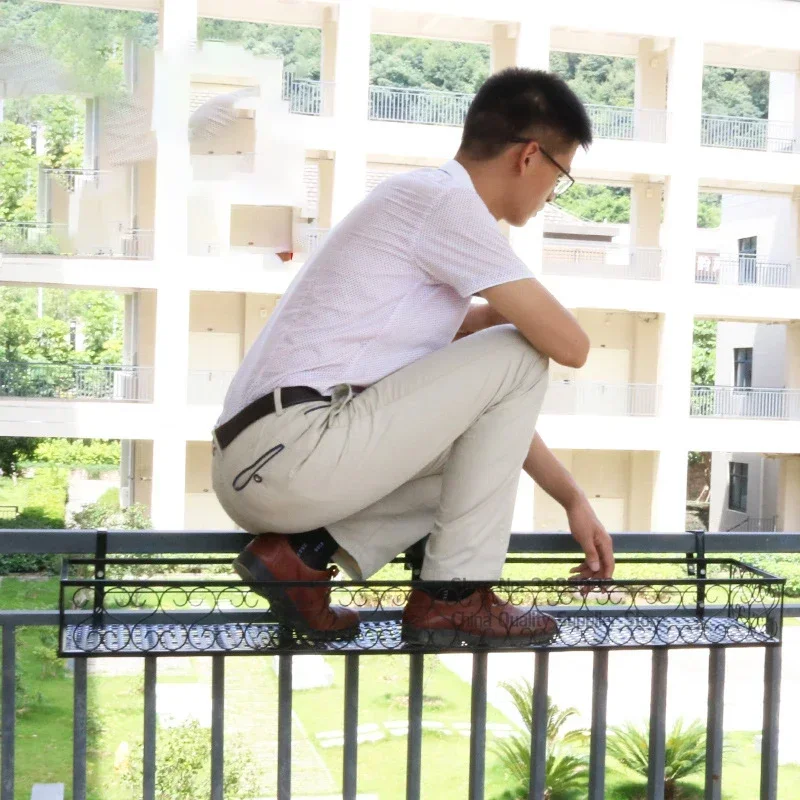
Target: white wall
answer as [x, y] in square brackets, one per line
[768, 218]
[769, 349]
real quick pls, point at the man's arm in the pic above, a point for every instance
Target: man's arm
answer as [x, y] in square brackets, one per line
[541, 319]
[478, 317]
[586, 528]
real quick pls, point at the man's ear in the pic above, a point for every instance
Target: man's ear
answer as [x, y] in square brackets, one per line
[529, 151]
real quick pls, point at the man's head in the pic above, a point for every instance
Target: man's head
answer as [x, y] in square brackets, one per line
[520, 135]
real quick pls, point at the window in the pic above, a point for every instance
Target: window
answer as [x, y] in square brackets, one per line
[737, 486]
[743, 367]
[748, 267]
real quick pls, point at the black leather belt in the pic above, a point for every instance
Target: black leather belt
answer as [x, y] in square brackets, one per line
[290, 396]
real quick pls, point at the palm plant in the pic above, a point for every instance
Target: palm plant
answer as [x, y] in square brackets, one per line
[566, 772]
[685, 753]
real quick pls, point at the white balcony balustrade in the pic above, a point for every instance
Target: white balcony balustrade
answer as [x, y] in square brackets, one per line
[422, 106]
[603, 399]
[614, 261]
[618, 122]
[54, 239]
[745, 402]
[76, 381]
[314, 98]
[74, 179]
[745, 270]
[310, 239]
[748, 133]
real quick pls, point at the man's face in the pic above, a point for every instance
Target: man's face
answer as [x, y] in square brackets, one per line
[533, 180]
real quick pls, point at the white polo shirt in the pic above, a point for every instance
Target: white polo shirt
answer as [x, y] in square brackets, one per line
[391, 284]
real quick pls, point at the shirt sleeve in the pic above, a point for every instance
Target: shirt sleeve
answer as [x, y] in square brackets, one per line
[459, 244]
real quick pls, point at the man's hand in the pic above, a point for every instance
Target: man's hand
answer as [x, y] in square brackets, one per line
[589, 533]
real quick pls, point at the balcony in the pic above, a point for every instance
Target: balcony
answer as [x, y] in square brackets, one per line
[76, 382]
[734, 402]
[747, 133]
[221, 166]
[421, 106]
[613, 261]
[745, 270]
[74, 179]
[286, 757]
[640, 124]
[314, 98]
[55, 239]
[603, 399]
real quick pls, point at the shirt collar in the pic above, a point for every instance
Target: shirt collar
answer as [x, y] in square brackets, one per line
[459, 175]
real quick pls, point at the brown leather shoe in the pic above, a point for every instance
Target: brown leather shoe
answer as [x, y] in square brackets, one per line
[482, 618]
[268, 559]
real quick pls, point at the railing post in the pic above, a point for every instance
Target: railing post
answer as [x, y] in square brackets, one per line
[8, 712]
[79, 713]
[539, 732]
[284, 727]
[149, 740]
[658, 717]
[350, 754]
[714, 730]
[414, 754]
[769, 731]
[217, 727]
[597, 745]
[477, 733]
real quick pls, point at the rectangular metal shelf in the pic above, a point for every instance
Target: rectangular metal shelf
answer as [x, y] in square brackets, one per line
[108, 607]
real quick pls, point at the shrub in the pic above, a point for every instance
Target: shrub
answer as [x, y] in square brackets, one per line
[79, 452]
[105, 515]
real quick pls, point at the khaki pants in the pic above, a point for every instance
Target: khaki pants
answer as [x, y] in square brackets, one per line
[436, 447]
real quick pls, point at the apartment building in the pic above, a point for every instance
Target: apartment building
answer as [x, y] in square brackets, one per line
[206, 189]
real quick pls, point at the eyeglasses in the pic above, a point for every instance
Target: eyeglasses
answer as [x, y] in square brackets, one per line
[565, 181]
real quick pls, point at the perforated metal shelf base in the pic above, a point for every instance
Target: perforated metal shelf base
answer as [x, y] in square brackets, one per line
[381, 637]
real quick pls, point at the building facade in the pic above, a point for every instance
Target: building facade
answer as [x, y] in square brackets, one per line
[205, 190]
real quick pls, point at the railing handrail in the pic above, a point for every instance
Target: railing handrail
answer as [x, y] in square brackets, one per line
[764, 120]
[410, 89]
[71, 364]
[125, 542]
[701, 388]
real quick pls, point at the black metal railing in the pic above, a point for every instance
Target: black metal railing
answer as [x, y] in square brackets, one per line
[701, 574]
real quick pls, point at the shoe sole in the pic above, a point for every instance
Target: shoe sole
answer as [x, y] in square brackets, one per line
[253, 572]
[455, 638]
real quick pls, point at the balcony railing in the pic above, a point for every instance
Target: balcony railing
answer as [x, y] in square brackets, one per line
[618, 122]
[283, 757]
[605, 399]
[745, 402]
[208, 387]
[51, 239]
[314, 98]
[602, 261]
[757, 525]
[422, 106]
[72, 179]
[748, 133]
[76, 381]
[745, 270]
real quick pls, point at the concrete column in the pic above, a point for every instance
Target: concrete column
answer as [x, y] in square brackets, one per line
[792, 356]
[650, 88]
[533, 39]
[177, 37]
[669, 490]
[789, 494]
[351, 64]
[645, 223]
[325, 192]
[504, 47]
[674, 372]
[794, 233]
[532, 51]
[784, 106]
[328, 61]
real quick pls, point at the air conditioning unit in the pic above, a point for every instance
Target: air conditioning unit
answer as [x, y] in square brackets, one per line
[124, 385]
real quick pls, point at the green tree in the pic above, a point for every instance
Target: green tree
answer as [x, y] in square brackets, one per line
[709, 210]
[597, 80]
[183, 768]
[566, 771]
[704, 352]
[17, 165]
[735, 92]
[598, 203]
[16, 450]
[685, 753]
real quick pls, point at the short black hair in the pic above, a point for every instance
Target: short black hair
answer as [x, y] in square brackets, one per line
[518, 102]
